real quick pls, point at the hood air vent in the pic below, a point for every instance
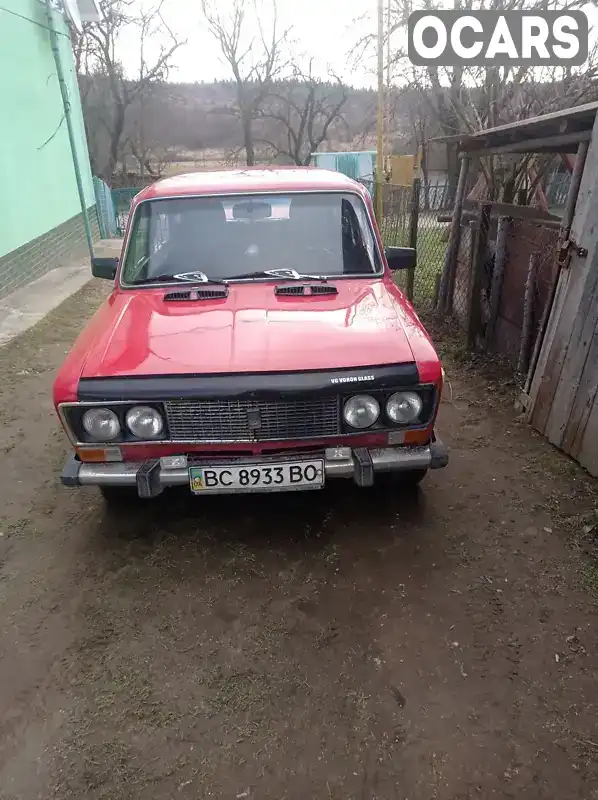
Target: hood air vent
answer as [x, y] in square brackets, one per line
[198, 294]
[306, 290]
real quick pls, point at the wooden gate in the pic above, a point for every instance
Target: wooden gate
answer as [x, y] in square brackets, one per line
[564, 390]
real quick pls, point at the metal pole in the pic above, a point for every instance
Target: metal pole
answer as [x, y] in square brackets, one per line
[69, 124]
[413, 226]
[386, 153]
[380, 149]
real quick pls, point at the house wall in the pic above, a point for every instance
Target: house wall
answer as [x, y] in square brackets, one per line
[41, 222]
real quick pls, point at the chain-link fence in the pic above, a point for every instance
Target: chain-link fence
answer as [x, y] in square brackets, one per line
[396, 207]
[412, 217]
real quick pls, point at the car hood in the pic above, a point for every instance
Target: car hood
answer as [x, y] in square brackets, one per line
[253, 330]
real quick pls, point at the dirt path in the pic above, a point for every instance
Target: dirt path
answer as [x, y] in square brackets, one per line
[343, 644]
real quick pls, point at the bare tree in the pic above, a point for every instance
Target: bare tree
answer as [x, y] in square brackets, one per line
[465, 99]
[96, 55]
[303, 108]
[255, 58]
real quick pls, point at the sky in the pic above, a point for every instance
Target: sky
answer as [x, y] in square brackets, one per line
[323, 29]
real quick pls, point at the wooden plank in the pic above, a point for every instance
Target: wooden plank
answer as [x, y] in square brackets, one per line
[447, 282]
[513, 210]
[543, 327]
[585, 399]
[502, 231]
[548, 144]
[476, 277]
[573, 193]
[588, 453]
[528, 317]
[577, 324]
[553, 120]
[543, 384]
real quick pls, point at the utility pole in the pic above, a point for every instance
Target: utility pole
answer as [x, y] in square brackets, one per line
[380, 150]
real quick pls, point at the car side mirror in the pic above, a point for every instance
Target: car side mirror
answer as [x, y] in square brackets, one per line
[400, 258]
[104, 268]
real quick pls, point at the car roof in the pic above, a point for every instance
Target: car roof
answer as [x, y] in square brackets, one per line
[251, 180]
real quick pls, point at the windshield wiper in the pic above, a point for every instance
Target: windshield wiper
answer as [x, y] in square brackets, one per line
[183, 277]
[282, 274]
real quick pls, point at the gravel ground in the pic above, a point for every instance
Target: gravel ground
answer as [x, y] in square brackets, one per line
[337, 644]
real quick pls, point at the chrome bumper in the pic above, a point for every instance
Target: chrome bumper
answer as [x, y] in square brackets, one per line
[150, 478]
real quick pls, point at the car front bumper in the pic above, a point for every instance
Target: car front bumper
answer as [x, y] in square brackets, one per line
[362, 465]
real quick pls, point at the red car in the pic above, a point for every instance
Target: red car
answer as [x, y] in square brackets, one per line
[254, 341]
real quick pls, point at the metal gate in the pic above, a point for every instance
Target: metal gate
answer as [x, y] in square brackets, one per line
[122, 199]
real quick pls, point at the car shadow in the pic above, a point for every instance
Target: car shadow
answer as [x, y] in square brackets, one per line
[308, 519]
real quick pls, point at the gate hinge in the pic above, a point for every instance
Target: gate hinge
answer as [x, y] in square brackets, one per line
[567, 249]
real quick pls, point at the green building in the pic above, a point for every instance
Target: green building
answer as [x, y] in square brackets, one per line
[42, 220]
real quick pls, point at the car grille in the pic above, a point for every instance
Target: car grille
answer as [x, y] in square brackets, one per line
[251, 421]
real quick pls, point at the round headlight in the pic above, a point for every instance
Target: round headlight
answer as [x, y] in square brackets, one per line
[404, 407]
[101, 424]
[361, 411]
[144, 422]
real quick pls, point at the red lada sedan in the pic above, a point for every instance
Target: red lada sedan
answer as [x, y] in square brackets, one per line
[254, 340]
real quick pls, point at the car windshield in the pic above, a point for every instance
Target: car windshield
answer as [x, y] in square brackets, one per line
[243, 236]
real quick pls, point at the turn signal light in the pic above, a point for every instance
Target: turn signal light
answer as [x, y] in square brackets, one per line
[95, 455]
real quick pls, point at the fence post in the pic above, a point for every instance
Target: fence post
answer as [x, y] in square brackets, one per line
[447, 284]
[500, 260]
[476, 277]
[528, 317]
[413, 222]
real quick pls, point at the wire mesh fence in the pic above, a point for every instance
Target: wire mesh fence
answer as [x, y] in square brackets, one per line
[396, 208]
[412, 219]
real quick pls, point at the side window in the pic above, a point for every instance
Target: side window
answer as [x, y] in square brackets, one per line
[139, 246]
[358, 247]
[365, 232]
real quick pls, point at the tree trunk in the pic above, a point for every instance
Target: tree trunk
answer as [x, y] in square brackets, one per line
[248, 140]
[115, 137]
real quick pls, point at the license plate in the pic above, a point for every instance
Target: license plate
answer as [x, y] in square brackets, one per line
[257, 477]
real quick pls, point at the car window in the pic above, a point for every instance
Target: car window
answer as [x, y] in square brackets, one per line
[229, 236]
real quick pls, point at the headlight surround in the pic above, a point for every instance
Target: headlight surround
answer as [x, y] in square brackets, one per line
[101, 424]
[144, 422]
[403, 408]
[361, 411]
